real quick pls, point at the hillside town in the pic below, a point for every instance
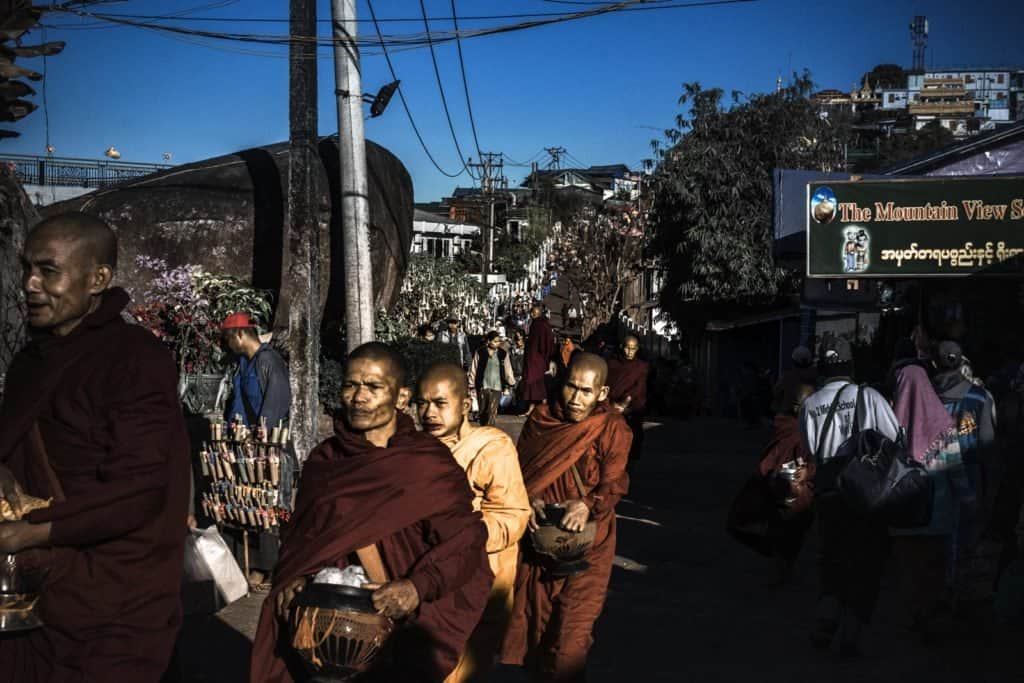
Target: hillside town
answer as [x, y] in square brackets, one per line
[323, 407]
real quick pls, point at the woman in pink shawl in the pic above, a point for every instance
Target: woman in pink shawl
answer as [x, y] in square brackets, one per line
[923, 552]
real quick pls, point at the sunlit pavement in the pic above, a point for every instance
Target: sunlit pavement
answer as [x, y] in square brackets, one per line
[687, 603]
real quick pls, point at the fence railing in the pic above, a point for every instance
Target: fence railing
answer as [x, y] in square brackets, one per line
[71, 172]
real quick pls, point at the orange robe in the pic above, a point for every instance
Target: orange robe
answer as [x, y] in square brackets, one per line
[553, 618]
[492, 466]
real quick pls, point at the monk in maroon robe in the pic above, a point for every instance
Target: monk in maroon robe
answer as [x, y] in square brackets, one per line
[91, 420]
[553, 618]
[627, 383]
[540, 346]
[380, 482]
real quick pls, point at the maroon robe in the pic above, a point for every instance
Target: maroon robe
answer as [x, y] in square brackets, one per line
[551, 630]
[105, 400]
[411, 499]
[540, 346]
[629, 378]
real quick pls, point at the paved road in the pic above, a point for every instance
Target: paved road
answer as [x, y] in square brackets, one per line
[689, 604]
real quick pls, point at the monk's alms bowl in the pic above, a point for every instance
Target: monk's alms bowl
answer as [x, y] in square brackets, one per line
[336, 630]
[565, 548]
[19, 594]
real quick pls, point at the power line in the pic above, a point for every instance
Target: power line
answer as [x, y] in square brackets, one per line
[465, 84]
[655, 5]
[405, 40]
[405, 105]
[440, 87]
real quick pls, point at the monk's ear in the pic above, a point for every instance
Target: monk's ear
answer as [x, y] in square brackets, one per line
[100, 279]
[404, 396]
[467, 406]
[603, 394]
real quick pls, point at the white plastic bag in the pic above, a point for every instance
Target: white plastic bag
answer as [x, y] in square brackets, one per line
[207, 549]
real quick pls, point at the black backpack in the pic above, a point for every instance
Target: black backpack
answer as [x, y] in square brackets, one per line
[873, 475]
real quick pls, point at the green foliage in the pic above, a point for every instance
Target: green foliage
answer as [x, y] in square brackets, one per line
[433, 290]
[887, 76]
[418, 354]
[711, 192]
[896, 148]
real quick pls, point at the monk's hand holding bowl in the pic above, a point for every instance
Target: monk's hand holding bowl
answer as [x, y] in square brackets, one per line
[396, 599]
[536, 514]
[10, 491]
[20, 535]
[285, 597]
[576, 515]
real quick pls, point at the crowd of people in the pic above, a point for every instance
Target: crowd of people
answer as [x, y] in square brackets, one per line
[436, 517]
[933, 410]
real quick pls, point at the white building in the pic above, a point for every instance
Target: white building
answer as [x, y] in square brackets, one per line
[440, 237]
[988, 89]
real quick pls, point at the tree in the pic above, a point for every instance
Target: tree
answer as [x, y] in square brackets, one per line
[887, 76]
[433, 290]
[600, 251]
[711, 194]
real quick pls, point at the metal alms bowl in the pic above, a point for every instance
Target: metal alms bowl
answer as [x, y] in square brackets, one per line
[551, 540]
[336, 630]
[19, 595]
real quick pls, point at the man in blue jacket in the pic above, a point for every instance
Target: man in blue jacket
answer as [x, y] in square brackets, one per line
[260, 394]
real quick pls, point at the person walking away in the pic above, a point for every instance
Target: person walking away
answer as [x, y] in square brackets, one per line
[91, 421]
[454, 334]
[923, 553]
[490, 373]
[261, 397]
[380, 488]
[853, 549]
[802, 373]
[971, 407]
[540, 347]
[573, 453]
[787, 469]
[627, 383]
[491, 463]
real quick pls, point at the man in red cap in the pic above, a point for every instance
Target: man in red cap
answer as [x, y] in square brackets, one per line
[261, 394]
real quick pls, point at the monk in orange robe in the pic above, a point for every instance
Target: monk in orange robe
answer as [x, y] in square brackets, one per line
[492, 466]
[553, 618]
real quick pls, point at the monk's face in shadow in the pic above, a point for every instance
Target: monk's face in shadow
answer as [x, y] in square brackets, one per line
[61, 280]
[630, 348]
[582, 391]
[441, 407]
[370, 395]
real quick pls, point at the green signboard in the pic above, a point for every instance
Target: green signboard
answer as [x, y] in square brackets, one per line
[915, 228]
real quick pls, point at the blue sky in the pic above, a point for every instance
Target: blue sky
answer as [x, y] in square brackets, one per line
[600, 87]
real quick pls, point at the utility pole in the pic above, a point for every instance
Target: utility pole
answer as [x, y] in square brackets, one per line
[556, 157]
[301, 290]
[492, 172]
[355, 205]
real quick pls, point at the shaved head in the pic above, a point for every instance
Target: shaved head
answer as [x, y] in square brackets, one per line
[446, 372]
[382, 353]
[442, 400]
[590, 362]
[630, 346]
[93, 238]
[585, 386]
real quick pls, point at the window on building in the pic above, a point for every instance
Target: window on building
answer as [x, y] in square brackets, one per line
[447, 248]
[999, 79]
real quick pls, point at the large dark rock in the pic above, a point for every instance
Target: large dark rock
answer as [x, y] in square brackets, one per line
[228, 215]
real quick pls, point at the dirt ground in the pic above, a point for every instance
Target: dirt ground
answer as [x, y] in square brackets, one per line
[687, 603]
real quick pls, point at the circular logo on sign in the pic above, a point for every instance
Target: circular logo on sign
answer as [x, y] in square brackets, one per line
[823, 205]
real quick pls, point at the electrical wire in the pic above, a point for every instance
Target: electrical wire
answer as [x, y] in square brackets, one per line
[410, 20]
[512, 162]
[440, 87]
[405, 105]
[414, 40]
[465, 84]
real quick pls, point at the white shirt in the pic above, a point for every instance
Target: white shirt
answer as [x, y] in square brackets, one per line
[876, 415]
